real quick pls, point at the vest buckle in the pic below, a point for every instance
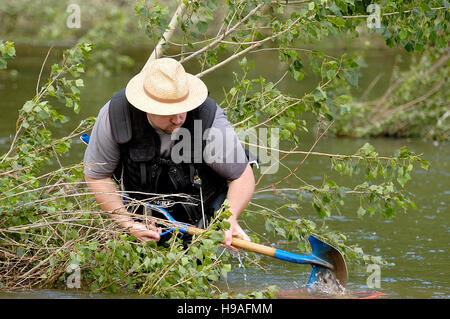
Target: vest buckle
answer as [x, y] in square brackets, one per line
[197, 179]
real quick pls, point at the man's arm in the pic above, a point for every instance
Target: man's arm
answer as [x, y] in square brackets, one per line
[240, 191]
[106, 195]
[103, 149]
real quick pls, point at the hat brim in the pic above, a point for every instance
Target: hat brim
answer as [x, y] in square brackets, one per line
[198, 92]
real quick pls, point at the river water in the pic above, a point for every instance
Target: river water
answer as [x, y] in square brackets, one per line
[417, 243]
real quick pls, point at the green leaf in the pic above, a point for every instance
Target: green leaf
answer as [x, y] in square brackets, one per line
[28, 106]
[69, 102]
[7, 51]
[389, 212]
[335, 9]
[339, 22]
[93, 245]
[208, 15]
[424, 164]
[351, 76]
[361, 212]
[51, 209]
[202, 26]
[298, 65]
[442, 43]
[298, 76]
[62, 148]
[319, 95]
[76, 108]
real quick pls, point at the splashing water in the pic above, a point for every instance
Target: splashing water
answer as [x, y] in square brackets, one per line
[328, 284]
[241, 264]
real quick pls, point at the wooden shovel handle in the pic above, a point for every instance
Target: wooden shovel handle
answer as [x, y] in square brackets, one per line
[240, 243]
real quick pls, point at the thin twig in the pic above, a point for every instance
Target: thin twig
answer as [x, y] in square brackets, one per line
[301, 163]
[42, 68]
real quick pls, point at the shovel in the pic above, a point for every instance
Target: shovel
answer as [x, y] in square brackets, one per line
[325, 260]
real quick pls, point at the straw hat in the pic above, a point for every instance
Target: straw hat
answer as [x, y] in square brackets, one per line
[164, 88]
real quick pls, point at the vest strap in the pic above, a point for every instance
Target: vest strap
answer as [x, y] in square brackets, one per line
[119, 117]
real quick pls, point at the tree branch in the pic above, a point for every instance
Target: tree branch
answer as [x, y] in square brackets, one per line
[224, 35]
[255, 45]
[157, 52]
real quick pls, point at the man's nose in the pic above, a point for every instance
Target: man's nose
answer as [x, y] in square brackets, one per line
[177, 119]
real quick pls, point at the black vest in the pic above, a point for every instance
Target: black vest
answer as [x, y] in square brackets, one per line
[142, 169]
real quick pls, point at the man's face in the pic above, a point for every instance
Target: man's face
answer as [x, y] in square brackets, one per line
[167, 123]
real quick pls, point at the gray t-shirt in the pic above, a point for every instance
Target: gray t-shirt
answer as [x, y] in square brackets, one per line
[223, 151]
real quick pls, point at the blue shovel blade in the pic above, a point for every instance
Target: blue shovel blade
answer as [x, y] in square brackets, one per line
[326, 252]
[326, 261]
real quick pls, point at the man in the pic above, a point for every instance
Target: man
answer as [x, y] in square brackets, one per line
[133, 141]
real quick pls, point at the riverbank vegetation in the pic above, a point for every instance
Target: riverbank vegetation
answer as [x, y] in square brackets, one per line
[414, 105]
[51, 230]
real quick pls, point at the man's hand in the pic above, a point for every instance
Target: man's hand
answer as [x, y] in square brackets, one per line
[234, 231]
[139, 230]
[143, 232]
